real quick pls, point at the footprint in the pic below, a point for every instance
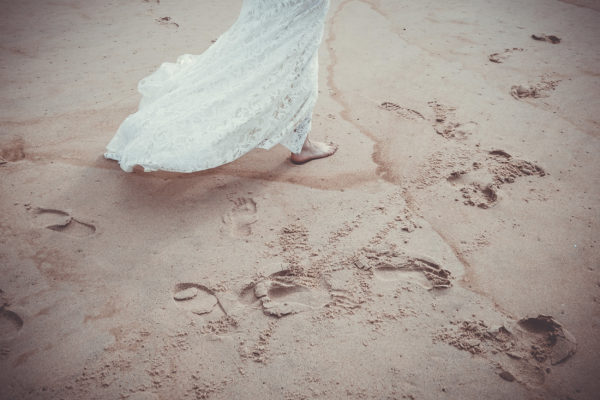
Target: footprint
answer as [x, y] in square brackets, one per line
[503, 347]
[554, 341]
[521, 91]
[12, 151]
[540, 89]
[482, 196]
[480, 184]
[546, 38]
[284, 294]
[424, 272]
[389, 265]
[390, 273]
[506, 170]
[196, 298]
[62, 221]
[167, 21]
[500, 153]
[10, 324]
[241, 217]
[401, 111]
[500, 57]
[445, 126]
[464, 130]
[523, 351]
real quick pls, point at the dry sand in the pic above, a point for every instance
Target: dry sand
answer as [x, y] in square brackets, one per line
[449, 250]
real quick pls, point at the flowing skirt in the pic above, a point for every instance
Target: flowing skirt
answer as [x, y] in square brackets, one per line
[256, 86]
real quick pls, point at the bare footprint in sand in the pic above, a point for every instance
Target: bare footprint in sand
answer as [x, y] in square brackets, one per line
[421, 271]
[168, 21]
[506, 168]
[10, 324]
[522, 351]
[62, 221]
[445, 124]
[554, 342]
[540, 89]
[499, 58]
[403, 112]
[241, 217]
[196, 298]
[480, 185]
[284, 294]
[546, 38]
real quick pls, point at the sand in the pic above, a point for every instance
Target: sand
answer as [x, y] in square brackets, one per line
[449, 250]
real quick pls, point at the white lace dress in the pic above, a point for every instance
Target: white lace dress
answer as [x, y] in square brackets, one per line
[256, 86]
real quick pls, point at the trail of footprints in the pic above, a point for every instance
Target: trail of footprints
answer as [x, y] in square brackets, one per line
[300, 289]
[537, 90]
[352, 283]
[479, 182]
[444, 121]
[523, 351]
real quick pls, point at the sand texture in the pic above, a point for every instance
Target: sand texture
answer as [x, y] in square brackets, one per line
[449, 250]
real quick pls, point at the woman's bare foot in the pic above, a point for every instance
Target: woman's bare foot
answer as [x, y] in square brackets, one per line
[312, 151]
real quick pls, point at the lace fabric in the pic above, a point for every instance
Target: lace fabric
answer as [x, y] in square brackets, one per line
[256, 86]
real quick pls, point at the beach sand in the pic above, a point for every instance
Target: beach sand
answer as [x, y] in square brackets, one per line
[449, 250]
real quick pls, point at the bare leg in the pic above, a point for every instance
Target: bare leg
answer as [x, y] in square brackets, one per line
[312, 151]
